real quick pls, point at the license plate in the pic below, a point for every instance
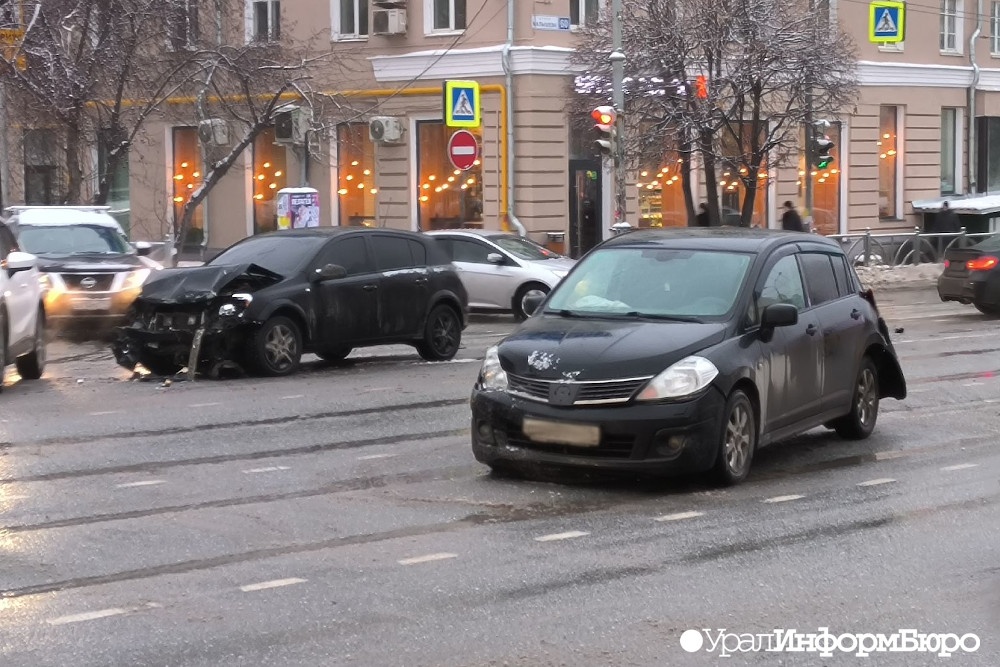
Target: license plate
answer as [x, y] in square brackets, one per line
[92, 304]
[562, 433]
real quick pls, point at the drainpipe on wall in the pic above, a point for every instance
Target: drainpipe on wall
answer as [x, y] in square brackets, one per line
[970, 154]
[508, 71]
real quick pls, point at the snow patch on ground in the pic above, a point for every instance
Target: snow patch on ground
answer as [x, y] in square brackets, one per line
[882, 277]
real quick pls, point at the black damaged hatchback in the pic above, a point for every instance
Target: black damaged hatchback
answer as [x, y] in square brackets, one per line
[684, 351]
[263, 302]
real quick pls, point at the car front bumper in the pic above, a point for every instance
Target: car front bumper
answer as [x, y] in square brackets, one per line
[79, 305]
[656, 439]
[135, 345]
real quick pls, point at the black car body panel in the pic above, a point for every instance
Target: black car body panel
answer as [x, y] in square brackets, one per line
[568, 368]
[978, 287]
[217, 308]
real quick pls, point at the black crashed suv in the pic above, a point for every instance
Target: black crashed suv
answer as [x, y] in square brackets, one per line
[268, 299]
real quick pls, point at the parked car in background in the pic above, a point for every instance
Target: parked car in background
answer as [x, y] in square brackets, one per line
[89, 269]
[972, 275]
[685, 351]
[22, 311]
[263, 302]
[501, 270]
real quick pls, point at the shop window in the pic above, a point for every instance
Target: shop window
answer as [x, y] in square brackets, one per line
[356, 173]
[269, 176]
[118, 181]
[187, 171]
[825, 182]
[41, 171]
[448, 198]
[661, 194]
[888, 163]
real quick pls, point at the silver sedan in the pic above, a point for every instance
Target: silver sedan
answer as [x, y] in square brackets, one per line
[500, 270]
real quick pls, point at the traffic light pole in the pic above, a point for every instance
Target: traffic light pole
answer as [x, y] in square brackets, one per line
[810, 157]
[618, 100]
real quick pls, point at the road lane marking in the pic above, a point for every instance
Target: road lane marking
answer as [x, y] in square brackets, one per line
[268, 469]
[86, 616]
[876, 482]
[679, 516]
[106, 412]
[203, 405]
[937, 338]
[375, 456]
[569, 535]
[783, 499]
[960, 466]
[426, 559]
[274, 583]
[148, 482]
[289, 398]
[891, 454]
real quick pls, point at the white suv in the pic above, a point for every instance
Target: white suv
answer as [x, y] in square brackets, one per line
[22, 310]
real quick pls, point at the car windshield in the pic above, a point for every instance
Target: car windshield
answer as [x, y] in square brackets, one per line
[662, 283]
[523, 248]
[283, 255]
[52, 240]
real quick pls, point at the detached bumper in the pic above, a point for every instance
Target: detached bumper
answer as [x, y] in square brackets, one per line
[163, 349]
[655, 439]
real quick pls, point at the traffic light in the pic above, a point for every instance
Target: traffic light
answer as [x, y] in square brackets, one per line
[821, 151]
[605, 117]
[701, 87]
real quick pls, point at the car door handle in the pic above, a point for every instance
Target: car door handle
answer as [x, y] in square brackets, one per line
[370, 288]
[855, 314]
[811, 329]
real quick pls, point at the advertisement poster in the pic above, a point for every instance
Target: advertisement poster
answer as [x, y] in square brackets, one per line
[298, 208]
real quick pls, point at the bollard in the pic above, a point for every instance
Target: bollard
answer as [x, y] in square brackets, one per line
[868, 244]
[916, 246]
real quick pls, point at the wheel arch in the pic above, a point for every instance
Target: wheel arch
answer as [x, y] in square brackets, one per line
[295, 314]
[891, 383]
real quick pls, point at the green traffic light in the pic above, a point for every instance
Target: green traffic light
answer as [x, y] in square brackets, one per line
[823, 164]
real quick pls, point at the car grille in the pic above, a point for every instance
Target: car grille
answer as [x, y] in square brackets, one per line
[88, 282]
[589, 392]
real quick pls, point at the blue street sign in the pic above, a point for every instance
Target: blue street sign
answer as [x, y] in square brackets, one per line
[886, 22]
[461, 104]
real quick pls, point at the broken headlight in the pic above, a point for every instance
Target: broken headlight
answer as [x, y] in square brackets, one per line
[238, 303]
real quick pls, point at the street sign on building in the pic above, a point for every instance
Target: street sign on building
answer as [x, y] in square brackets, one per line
[463, 150]
[461, 104]
[886, 22]
[555, 23]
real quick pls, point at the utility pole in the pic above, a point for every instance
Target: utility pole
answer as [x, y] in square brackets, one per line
[617, 58]
[810, 132]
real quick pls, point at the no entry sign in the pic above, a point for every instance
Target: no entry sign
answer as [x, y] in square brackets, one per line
[463, 149]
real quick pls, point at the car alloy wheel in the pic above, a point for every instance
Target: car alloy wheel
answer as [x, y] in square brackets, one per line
[859, 423]
[281, 347]
[442, 336]
[867, 399]
[738, 439]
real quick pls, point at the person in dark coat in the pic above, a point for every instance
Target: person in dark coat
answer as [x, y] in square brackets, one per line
[702, 219]
[791, 221]
[947, 221]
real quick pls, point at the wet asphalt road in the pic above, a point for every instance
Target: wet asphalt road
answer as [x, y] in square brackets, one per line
[338, 518]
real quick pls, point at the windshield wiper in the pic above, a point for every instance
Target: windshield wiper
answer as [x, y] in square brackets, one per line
[566, 312]
[665, 318]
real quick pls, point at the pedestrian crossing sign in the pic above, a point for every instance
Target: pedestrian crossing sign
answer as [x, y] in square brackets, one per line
[886, 21]
[461, 104]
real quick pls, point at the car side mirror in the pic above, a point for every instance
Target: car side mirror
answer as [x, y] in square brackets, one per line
[531, 303]
[495, 258]
[20, 261]
[331, 272]
[779, 315]
[143, 248]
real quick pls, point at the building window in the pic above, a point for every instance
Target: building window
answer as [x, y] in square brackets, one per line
[949, 150]
[118, 182]
[888, 163]
[995, 28]
[661, 194]
[445, 15]
[583, 11]
[350, 19]
[263, 20]
[826, 185]
[951, 29]
[356, 175]
[41, 170]
[448, 198]
[269, 176]
[183, 24]
[187, 175]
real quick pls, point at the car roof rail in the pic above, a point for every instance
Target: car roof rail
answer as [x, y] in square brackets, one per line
[81, 207]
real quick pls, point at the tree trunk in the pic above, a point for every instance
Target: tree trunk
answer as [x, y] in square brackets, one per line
[74, 170]
[707, 150]
[686, 185]
[750, 185]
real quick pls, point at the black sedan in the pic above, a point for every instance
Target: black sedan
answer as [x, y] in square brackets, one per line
[972, 275]
[263, 302]
[684, 351]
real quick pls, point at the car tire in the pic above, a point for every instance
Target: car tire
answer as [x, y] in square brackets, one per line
[990, 311]
[859, 423]
[31, 366]
[442, 334]
[517, 306]
[334, 354]
[276, 347]
[3, 347]
[737, 441]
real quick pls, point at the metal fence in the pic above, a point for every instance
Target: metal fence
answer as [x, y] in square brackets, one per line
[868, 249]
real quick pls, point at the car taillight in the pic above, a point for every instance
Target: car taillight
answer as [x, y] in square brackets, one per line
[982, 263]
[947, 263]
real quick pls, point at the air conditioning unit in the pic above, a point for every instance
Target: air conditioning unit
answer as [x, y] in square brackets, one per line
[386, 130]
[388, 21]
[291, 125]
[214, 132]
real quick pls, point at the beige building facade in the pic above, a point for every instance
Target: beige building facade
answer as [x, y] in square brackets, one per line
[925, 127]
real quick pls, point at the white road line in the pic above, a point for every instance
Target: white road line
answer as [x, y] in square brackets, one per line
[679, 516]
[426, 559]
[888, 455]
[274, 583]
[289, 398]
[960, 466]
[106, 412]
[86, 616]
[148, 482]
[268, 469]
[783, 499]
[203, 405]
[371, 457]
[876, 482]
[972, 384]
[569, 535]
[937, 338]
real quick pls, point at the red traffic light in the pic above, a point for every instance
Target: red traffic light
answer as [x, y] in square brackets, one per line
[701, 86]
[604, 115]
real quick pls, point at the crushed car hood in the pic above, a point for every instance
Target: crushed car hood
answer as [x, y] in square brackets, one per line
[204, 283]
[553, 347]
